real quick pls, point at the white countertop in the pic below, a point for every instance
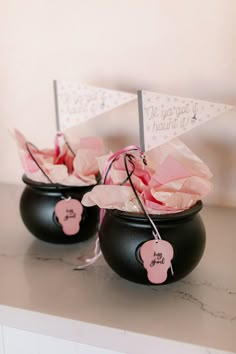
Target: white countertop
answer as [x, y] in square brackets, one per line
[39, 277]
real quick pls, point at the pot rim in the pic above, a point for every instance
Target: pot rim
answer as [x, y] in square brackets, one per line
[161, 217]
[52, 186]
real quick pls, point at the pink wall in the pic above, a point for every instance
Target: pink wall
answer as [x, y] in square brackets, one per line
[183, 47]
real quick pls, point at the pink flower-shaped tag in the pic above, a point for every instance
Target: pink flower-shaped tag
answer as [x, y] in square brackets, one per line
[156, 257]
[69, 214]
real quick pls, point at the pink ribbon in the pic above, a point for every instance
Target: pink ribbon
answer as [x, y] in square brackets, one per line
[114, 157]
[97, 251]
[56, 143]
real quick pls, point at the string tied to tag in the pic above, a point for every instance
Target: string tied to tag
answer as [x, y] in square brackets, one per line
[155, 231]
[97, 251]
[128, 155]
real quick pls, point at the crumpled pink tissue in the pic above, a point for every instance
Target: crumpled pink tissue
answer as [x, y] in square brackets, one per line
[173, 180]
[60, 164]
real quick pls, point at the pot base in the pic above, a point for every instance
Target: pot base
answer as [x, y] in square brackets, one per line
[122, 234]
[37, 209]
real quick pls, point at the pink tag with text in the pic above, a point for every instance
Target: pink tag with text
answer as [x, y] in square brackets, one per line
[156, 256]
[69, 214]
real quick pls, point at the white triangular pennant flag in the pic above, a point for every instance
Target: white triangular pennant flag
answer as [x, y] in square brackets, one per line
[164, 117]
[76, 103]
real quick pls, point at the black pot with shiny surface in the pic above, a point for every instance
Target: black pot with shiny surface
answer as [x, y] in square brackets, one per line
[122, 234]
[37, 209]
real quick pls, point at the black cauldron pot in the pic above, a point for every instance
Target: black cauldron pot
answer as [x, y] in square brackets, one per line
[122, 234]
[37, 209]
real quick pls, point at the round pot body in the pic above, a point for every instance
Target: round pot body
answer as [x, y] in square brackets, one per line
[122, 234]
[37, 209]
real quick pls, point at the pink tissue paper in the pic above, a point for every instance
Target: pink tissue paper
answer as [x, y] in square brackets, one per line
[61, 165]
[173, 180]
